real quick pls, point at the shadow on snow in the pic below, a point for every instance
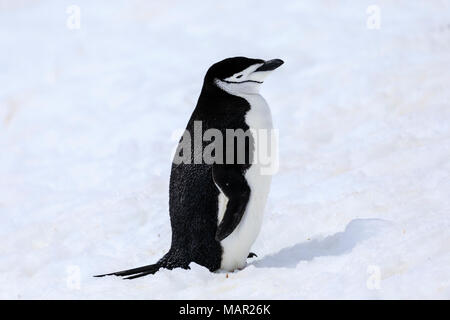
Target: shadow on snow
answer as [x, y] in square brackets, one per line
[337, 244]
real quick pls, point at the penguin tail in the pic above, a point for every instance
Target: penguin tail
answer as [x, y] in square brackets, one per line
[135, 272]
[166, 262]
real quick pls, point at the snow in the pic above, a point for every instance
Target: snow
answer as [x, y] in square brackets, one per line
[89, 117]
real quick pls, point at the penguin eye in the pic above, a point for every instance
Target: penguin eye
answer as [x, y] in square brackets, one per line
[239, 76]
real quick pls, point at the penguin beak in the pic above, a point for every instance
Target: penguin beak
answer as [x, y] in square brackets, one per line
[270, 65]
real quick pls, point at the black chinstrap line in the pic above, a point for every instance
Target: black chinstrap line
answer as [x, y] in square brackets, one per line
[242, 81]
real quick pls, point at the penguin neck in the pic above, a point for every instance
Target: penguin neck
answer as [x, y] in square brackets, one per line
[211, 89]
[214, 99]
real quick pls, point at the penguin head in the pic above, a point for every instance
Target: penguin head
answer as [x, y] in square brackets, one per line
[240, 75]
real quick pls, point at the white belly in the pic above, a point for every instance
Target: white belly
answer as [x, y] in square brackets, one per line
[236, 246]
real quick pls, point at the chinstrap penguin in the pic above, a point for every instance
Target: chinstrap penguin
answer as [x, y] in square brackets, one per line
[216, 209]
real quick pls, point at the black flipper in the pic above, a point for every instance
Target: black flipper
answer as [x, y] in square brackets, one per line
[231, 181]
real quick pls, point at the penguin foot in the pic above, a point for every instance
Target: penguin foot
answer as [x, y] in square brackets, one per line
[251, 255]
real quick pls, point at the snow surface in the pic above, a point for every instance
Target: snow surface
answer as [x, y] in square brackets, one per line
[360, 207]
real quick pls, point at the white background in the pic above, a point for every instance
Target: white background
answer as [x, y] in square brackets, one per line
[360, 207]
